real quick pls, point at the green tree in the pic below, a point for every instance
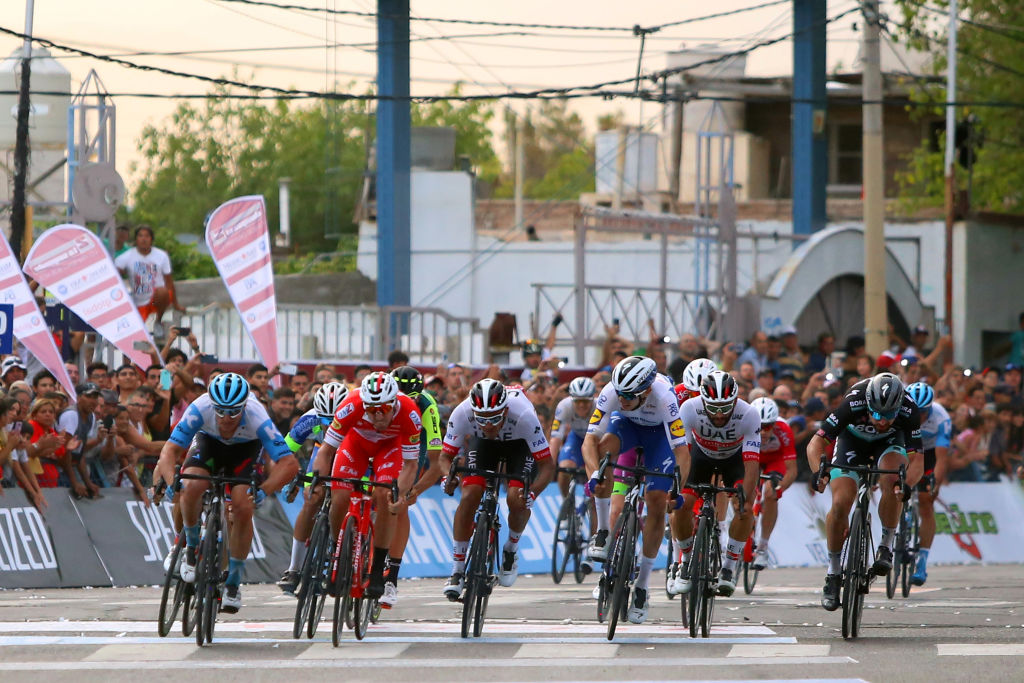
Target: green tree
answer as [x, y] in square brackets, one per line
[990, 52]
[473, 136]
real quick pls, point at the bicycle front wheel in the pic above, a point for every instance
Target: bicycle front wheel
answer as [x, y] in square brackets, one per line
[910, 555]
[343, 580]
[476, 574]
[562, 546]
[364, 606]
[310, 585]
[699, 569]
[173, 593]
[624, 555]
[209, 567]
[851, 576]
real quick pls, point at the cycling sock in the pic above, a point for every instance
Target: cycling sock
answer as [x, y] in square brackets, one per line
[380, 558]
[922, 557]
[512, 544]
[888, 536]
[732, 553]
[459, 556]
[685, 547]
[234, 571]
[762, 545]
[835, 560]
[643, 577]
[723, 530]
[676, 549]
[394, 566]
[604, 513]
[192, 536]
[298, 554]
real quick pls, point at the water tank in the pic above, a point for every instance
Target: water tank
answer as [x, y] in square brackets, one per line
[433, 148]
[641, 169]
[48, 118]
[713, 64]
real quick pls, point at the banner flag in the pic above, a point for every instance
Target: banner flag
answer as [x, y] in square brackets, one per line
[29, 326]
[73, 265]
[239, 241]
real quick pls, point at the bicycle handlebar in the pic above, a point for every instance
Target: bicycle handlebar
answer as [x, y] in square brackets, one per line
[218, 479]
[574, 471]
[864, 469]
[359, 484]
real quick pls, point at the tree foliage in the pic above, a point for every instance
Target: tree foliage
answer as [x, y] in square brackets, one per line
[990, 52]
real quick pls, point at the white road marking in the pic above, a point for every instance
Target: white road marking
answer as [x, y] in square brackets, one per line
[780, 650]
[353, 650]
[980, 649]
[136, 652]
[542, 650]
[21, 641]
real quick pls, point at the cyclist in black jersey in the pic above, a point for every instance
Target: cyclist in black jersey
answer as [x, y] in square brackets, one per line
[877, 424]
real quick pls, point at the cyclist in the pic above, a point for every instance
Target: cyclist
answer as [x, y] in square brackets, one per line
[494, 424]
[232, 427]
[410, 383]
[637, 408]
[936, 428]
[312, 424]
[568, 429]
[778, 459]
[877, 422]
[693, 374]
[724, 433]
[379, 427]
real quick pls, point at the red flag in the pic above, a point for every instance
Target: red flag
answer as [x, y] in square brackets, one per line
[73, 265]
[239, 241]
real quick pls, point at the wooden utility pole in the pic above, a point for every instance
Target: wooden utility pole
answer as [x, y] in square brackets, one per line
[21, 149]
[876, 328]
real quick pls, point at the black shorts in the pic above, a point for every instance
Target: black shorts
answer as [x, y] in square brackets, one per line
[487, 454]
[929, 468]
[232, 460]
[703, 468]
[853, 451]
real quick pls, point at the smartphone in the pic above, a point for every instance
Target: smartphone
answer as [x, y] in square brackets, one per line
[208, 358]
[615, 321]
[289, 368]
[165, 379]
[141, 345]
[184, 331]
[16, 427]
[108, 422]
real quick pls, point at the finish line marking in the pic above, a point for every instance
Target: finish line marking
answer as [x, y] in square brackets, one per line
[16, 641]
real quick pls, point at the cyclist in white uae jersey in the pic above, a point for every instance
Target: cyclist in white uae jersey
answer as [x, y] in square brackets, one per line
[724, 433]
[494, 425]
[638, 408]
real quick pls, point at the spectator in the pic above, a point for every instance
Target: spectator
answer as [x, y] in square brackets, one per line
[17, 432]
[865, 366]
[12, 370]
[601, 380]
[396, 359]
[72, 370]
[1017, 343]
[46, 449]
[782, 393]
[122, 235]
[434, 384]
[282, 409]
[148, 271]
[791, 358]
[120, 458]
[300, 383]
[918, 339]
[774, 350]
[361, 371]
[970, 449]
[689, 350]
[1003, 394]
[1000, 459]
[1012, 376]
[99, 374]
[43, 382]
[747, 373]
[259, 381]
[127, 380]
[324, 373]
[819, 358]
[757, 353]
[766, 380]
[10, 439]
[89, 433]
[886, 360]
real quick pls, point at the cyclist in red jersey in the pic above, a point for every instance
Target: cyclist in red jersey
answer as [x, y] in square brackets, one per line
[777, 456]
[376, 427]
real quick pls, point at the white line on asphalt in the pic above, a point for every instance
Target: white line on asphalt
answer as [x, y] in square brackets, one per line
[262, 664]
[353, 650]
[139, 652]
[779, 650]
[980, 649]
[542, 650]
[21, 641]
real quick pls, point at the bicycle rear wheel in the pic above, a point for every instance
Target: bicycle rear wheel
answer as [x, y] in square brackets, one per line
[669, 560]
[364, 606]
[562, 548]
[624, 555]
[343, 580]
[173, 593]
[310, 585]
[578, 545]
[476, 573]
[602, 597]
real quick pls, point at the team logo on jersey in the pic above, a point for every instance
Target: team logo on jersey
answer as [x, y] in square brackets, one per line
[434, 443]
[676, 428]
[555, 425]
[416, 419]
[345, 411]
[596, 417]
[415, 438]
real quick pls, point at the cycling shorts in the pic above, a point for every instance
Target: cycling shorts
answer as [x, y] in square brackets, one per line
[572, 450]
[356, 454]
[489, 454]
[774, 466]
[853, 451]
[228, 459]
[658, 454]
[929, 468]
[703, 469]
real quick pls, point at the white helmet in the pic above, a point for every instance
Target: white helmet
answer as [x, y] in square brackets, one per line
[767, 408]
[328, 398]
[695, 372]
[582, 387]
[719, 390]
[634, 374]
[378, 388]
[488, 395]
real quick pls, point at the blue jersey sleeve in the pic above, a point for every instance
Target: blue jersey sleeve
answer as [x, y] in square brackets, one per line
[273, 443]
[305, 427]
[944, 434]
[187, 427]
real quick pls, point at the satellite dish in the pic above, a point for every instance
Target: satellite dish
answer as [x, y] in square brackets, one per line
[97, 191]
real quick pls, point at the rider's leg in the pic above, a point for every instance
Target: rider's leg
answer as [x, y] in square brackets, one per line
[654, 533]
[844, 490]
[462, 526]
[239, 533]
[889, 504]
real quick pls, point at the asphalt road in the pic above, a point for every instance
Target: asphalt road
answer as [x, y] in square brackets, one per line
[967, 623]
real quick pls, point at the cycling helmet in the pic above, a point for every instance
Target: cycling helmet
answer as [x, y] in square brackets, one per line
[884, 395]
[488, 396]
[634, 374]
[531, 347]
[767, 408]
[719, 389]
[409, 379]
[328, 398]
[229, 390]
[378, 388]
[922, 394]
[582, 387]
[695, 372]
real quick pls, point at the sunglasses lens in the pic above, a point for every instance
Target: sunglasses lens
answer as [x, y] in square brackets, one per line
[228, 412]
[883, 416]
[625, 396]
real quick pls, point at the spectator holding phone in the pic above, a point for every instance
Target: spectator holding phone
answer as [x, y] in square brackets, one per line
[80, 422]
[14, 433]
[10, 439]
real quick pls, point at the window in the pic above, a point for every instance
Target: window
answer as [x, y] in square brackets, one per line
[846, 143]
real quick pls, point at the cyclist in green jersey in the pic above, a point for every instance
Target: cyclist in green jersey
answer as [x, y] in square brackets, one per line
[410, 382]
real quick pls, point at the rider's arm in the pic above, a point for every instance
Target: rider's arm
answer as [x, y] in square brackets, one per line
[432, 433]
[595, 430]
[169, 456]
[816, 448]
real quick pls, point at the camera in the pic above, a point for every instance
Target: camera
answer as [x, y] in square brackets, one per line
[184, 331]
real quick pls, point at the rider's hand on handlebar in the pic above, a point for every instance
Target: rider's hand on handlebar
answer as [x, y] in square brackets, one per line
[451, 483]
[592, 485]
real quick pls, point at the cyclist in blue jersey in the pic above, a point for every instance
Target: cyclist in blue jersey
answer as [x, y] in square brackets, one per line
[936, 431]
[312, 424]
[231, 427]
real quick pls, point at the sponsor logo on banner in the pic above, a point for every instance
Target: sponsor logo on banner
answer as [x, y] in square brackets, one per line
[24, 541]
[220, 234]
[57, 257]
[156, 526]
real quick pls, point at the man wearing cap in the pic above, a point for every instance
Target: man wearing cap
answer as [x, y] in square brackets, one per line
[80, 421]
[791, 358]
[12, 370]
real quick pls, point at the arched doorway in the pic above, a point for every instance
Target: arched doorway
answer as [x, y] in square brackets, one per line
[838, 308]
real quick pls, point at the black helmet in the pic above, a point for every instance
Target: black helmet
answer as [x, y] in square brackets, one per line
[409, 379]
[884, 395]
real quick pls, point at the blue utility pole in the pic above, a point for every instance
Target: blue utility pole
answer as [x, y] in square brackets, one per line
[810, 140]
[393, 154]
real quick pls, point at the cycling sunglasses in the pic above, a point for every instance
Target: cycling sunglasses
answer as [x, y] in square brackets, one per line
[891, 415]
[493, 420]
[229, 412]
[381, 409]
[628, 396]
[721, 409]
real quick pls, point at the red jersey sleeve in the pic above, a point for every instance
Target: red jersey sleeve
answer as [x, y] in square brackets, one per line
[786, 438]
[349, 413]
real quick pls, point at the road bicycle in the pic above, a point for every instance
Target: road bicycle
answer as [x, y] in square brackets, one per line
[620, 567]
[209, 583]
[907, 545]
[484, 555]
[750, 549]
[571, 527]
[353, 556]
[176, 595]
[311, 591]
[860, 547]
[706, 558]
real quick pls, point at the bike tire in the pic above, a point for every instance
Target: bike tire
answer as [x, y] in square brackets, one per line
[910, 559]
[602, 597]
[577, 545]
[188, 613]
[483, 598]
[476, 573]
[561, 548]
[624, 555]
[892, 579]
[714, 561]
[209, 567]
[173, 593]
[698, 570]
[865, 575]
[342, 581]
[309, 584]
[750, 576]
[851, 577]
[364, 606]
[321, 568]
[668, 561]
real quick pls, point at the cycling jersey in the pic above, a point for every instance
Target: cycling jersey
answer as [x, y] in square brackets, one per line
[660, 408]
[852, 418]
[351, 420]
[431, 418]
[780, 444]
[741, 434]
[937, 428]
[520, 423]
[255, 425]
[308, 425]
[566, 420]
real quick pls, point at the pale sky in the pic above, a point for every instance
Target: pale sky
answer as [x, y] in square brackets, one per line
[487, 64]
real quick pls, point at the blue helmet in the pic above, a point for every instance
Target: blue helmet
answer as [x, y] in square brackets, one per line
[922, 394]
[229, 390]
